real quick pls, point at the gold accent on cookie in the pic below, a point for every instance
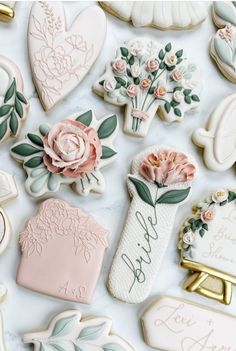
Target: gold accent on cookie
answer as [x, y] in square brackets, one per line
[6, 13]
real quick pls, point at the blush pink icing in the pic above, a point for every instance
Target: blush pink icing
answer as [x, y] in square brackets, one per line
[62, 252]
[72, 149]
[167, 167]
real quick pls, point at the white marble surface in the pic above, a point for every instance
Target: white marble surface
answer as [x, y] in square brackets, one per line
[24, 310]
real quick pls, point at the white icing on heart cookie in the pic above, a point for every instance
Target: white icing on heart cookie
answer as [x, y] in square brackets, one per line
[160, 14]
[160, 182]
[13, 104]
[218, 138]
[61, 57]
[70, 152]
[172, 324]
[67, 331]
[207, 244]
[150, 78]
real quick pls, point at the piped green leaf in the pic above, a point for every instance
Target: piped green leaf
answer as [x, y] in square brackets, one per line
[21, 97]
[195, 98]
[161, 54]
[64, 326]
[223, 51]
[177, 112]
[107, 152]
[179, 53]
[107, 127]
[5, 109]
[121, 81]
[224, 11]
[167, 107]
[142, 190]
[173, 196]
[19, 108]
[10, 92]
[24, 149]
[92, 332]
[113, 347]
[34, 162]
[14, 124]
[34, 138]
[124, 51]
[168, 47]
[85, 118]
[3, 129]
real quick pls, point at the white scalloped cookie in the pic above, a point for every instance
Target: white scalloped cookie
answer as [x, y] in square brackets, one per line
[160, 14]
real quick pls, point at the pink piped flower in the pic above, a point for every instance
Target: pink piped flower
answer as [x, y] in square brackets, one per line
[152, 65]
[177, 75]
[145, 84]
[159, 92]
[207, 215]
[119, 66]
[133, 90]
[226, 33]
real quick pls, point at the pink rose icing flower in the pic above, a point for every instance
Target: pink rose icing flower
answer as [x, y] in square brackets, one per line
[72, 149]
[133, 90]
[152, 65]
[135, 71]
[145, 83]
[177, 75]
[167, 167]
[188, 238]
[119, 66]
[207, 215]
[159, 91]
[109, 85]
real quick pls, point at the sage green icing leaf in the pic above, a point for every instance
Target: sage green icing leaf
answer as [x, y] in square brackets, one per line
[161, 54]
[179, 53]
[52, 181]
[113, 347]
[25, 149]
[35, 139]
[187, 92]
[14, 124]
[38, 184]
[39, 172]
[187, 99]
[4, 110]
[34, 162]
[85, 118]
[21, 97]
[224, 11]
[231, 196]
[131, 60]
[195, 98]
[3, 129]
[124, 51]
[168, 47]
[173, 196]
[44, 129]
[177, 112]
[121, 81]
[77, 348]
[63, 326]
[107, 127]
[91, 333]
[107, 152]
[167, 107]
[19, 108]
[142, 190]
[59, 345]
[223, 51]
[10, 91]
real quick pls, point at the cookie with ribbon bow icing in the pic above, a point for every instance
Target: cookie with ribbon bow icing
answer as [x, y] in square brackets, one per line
[70, 152]
[60, 57]
[207, 244]
[223, 43]
[69, 241]
[160, 182]
[160, 14]
[68, 332]
[150, 78]
[218, 138]
[172, 324]
[13, 104]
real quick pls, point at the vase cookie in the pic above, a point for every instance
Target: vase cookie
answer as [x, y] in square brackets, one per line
[70, 152]
[145, 77]
[160, 181]
[159, 14]
[68, 332]
[218, 138]
[61, 57]
[207, 240]
[223, 43]
[172, 324]
[13, 104]
[71, 243]
[7, 12]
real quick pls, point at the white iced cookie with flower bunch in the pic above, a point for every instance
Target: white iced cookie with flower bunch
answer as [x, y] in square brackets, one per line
[223, 43]
[159, 14]
[159, 183]
[207, 244]
[150, 78]
[72, 152]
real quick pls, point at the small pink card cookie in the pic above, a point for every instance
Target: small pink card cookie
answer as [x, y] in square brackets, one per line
[159, 183]
[61, 57]
[70, 152]
[68, 332]
[13, 104]
[172, 324]
[62, 252]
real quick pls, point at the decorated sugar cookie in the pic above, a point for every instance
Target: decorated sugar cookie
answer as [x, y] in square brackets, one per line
[68, 332]
[218, 138]
[8, 191]
[3, 293]
[13, 104]
[69, 241]
[159, 183]
[145, 77]
[207, 244]
[172, 324]
[7, 12]
[60, 57]
[223, 43]
[70, 152]
[160, 14]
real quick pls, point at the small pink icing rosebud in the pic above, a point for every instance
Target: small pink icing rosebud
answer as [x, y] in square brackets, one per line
[170, 60]
[133, 90]
[135, 71]
[152, 65]
[178, 96]
[159, 91]
[109, 85]
[145, 83]
[207, 215]
[119, 66]
[188, 238]
[177, 75]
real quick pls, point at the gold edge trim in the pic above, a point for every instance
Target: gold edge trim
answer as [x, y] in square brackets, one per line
[6, 13]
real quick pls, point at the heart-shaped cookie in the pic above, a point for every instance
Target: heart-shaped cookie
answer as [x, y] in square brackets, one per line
[60, 58]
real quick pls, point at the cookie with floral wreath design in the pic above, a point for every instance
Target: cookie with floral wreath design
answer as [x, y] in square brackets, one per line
[207, 244]
[150, 78]
[70, 152]
[71, 243]
[223, 43]
[60, 57]
[13, 104]
[159, 183]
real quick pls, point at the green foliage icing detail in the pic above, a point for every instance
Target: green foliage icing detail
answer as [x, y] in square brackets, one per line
[34, 162]
[113, 347]
[24, 149]
[91, 333]
[64, 326]
[224, 11]
[173, 196]
[35, 139]
[107, 127]
[142, 190]
[85, 118]
[107, 152]
[223, 51]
